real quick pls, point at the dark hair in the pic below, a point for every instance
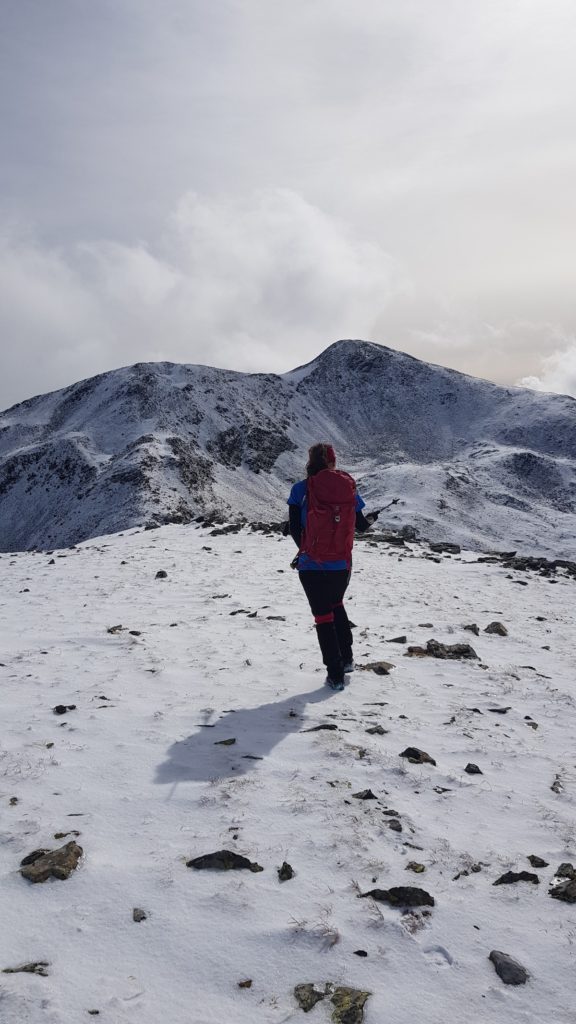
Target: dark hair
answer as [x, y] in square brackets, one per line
[319, 455]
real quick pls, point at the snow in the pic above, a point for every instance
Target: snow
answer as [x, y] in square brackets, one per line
[148, 789]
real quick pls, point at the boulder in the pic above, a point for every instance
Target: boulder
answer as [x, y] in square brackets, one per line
[417, 756]
[496, 628]
[40, 865]
[509, 970]
[348, 1005]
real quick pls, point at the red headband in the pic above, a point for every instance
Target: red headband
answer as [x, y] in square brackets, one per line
[330, 453]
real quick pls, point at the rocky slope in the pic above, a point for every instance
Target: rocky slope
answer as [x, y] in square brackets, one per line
[159, 442]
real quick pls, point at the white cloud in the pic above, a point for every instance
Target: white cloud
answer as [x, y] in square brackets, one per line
[252, 284]
[558, 372]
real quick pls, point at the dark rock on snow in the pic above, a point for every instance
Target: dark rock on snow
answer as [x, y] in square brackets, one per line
[285, 872]
[376, 730]
[472, 628]
[509, 877]
[348, 1005]
[473, 769]
[307, 996]
[497, 628]
[36, 967]
[416, 756]
[537, 862]
[381, 668]
[40, 865]
[365, 794]
[222, 860]
[566, 891]
[61, 709]
[139, 915]
[434, 649]
[441, 548]
[401, 896]
[509, 970]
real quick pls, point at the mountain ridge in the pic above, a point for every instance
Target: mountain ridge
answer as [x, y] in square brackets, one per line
[165, 442]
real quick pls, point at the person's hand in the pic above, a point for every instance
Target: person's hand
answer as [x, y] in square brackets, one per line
[371, 517]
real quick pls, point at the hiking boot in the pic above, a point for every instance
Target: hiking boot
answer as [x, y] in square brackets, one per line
[349, 667]
[334, 684]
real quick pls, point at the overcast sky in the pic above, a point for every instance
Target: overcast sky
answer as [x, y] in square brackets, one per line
[243, 182]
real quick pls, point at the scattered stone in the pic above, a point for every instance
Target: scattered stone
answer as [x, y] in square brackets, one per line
[225, 743]
[307, 996]
[40, 865]
[348, 1005]
[223, 860]
[276, 618]
[135, 632]
[473, 769]
[241, 611]
[533, 725]
[416, 756]
[496, 628]
[441, 789]
[36, 967]
[441, 548]
[557, 786]
[472, 628]
[161, 574]
[509, 877]
[434, 649]
[565, 891]
[395, 825]
[62, 835]
[115, 629]
[360, 952]
[537, 862]
[365, 794]
[499, 711]
[61, 709]
[398, 640]
[566, 871]
[13, 801]
[139, 915]
[401, 896]
[426, 625]
[416, 867]
[286, 872]
[381, 668]
[317, 728]
[245, 984]
[377, 730]
[509, 970]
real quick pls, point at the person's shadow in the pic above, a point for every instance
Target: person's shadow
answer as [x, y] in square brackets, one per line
[201, 756]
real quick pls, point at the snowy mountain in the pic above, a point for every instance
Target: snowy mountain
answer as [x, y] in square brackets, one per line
[159, 442]
[188, 727]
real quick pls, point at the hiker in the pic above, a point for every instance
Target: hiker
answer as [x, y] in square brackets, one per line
[325, 510]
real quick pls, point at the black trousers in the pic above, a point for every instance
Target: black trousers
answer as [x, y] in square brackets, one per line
[325, 592]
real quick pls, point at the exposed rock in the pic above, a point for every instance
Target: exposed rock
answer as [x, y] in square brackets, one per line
[381, 668]
[566, 871]
[395, 825]
[225, 743]
[409, 533]
[416, 867]
[61, 709]
[472, 628]
[509, 877]
[307, 996]
[565, 891]
[441, 548]
[401, 896]
[376, 730]
[161, 574]
[325, 725]
[416, 756]
[36, 967]
[115, 629]
[348, 1005]
[500, 711]
[223, 860]
[360, 952]
[509, 970]
[139, 915]
[434, 649]
[398, 640]
[286, 872]
[247, 983]
[43, 864]
[365, 794]
[557, 786]
[537, 862]
[473, 769]
[497, 628]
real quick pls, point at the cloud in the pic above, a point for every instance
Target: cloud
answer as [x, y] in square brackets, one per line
[558, 372]
[253, 284]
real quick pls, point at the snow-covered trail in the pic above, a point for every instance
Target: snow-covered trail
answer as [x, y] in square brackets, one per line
[138, 771]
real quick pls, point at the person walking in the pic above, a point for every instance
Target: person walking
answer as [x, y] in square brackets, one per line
[325, 509]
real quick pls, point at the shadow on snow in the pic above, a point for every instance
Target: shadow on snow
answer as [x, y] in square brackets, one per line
[198, 758]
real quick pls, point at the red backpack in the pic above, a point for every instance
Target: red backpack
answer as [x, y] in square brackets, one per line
[330, 516]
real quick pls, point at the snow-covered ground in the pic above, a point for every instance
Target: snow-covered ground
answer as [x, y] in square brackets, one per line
[138, 770]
